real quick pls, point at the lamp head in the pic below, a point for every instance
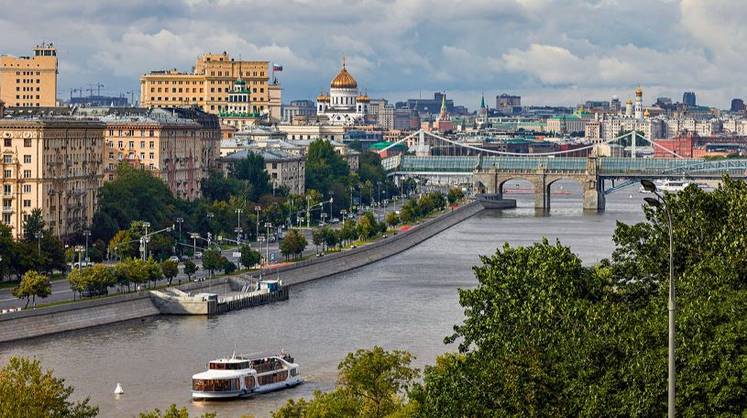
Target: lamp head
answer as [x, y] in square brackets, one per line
[653, 202]
[648, 185]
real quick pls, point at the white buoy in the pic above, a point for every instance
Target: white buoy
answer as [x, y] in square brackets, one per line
[630, 196]
[118, 390]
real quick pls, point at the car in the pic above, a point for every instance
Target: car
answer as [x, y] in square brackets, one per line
[88, 293]
[334, 221]
[184, 258]
[174, 258]
[198, 254]
[322, 223]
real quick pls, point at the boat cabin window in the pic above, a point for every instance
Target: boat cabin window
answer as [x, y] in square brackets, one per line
[228, 366]
[267, 364]
[215, 385]
[273, 378]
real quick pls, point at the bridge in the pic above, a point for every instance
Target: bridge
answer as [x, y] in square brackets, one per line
[598, 176]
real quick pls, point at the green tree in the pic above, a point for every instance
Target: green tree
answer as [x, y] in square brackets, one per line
[252, 170]
[27, 391]
[33, 224]
[123, 244]
[172, 412]
[190, 268]
[170, 270]
[32, 284]
[324, 167]
[370, 384]
[455, 195]
[228, 266]
[293, 244]
[392, 219]
[94, 279]
[249, 257]
[218, 187]
[317, 237]
[367, 226]
[212, 260]
[153, 271]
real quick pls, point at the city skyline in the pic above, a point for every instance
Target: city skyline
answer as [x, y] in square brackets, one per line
[555, 52]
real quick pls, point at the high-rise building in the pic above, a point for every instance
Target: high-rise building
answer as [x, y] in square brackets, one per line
[688, 98]
[30, 81]
[299, 111]
[53, 165]
[508, 104]
[737, 105]
[210, 85]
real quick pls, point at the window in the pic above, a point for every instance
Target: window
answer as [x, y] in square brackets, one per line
[6, 218]
[7, 159]
[27, 188]
[7, 142]
[26, 174]
[27, 203]
[8, 174]
[27, 143]
[7, 189]
[26, 159]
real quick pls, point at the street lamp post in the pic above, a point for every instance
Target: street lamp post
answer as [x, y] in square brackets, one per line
[238, 225]
[194, 237]
[257, 210]
[268, 225]
[38, 235]
[308, 212]
[144, 241]
[331, 199]
[179, 221]
[660, 203]
[261, 240]
[86, 234]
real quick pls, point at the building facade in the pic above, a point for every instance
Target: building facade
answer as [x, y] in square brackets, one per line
[53, 165]
[30, 81]
[174, 147]
[286, 170]
[299, 112]
[210, 85]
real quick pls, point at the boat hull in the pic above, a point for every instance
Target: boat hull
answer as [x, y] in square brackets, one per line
[272, 387]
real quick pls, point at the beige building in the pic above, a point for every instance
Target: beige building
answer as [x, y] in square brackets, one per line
[324, 131]
[285, 169]
[210, 84]
[177, 149]
[30, 81]
[53, 165]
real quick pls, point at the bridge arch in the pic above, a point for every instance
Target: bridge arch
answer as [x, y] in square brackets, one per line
[502, 181]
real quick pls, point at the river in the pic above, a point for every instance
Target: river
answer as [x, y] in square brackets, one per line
[406, 302]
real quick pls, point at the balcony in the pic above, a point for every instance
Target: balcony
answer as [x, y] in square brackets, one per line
[7, 209]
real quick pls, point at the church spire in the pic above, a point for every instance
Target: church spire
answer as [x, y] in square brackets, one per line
[482, 101]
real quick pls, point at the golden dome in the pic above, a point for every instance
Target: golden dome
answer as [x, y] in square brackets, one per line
[639, 92]
[628, 102]
[322, 98]
[646, 113]
[362, 98]
[344, 80]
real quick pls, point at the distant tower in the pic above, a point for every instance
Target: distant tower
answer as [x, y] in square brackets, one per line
[482, 115]
[688, 98]
[638, 109]
[628, 108]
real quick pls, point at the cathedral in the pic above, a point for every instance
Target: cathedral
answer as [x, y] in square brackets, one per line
[343, 105]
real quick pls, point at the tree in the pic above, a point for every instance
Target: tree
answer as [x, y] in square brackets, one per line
[228, 266]
[212, 260]
[370, 384]
[249, 257]
[32, 284]
[331, 237]
[96, 279]
[190, 268]
[293, 244]
[392, 219]
[252, 170]
[367, 226]
[324, 167]
[123, 244]
[170, 270]
[26, 391]
[172, 412]
[217, 187]
[153, 271]
[455, 195]
[317, 237]
[33, 224]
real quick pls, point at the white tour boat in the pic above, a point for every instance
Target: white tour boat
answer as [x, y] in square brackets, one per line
[241, 376]
[671, 186]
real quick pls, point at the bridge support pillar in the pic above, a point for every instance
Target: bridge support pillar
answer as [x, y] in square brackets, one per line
[541, 190]
[594, 199]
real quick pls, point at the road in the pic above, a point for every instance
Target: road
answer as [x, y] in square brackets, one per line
[61, 289]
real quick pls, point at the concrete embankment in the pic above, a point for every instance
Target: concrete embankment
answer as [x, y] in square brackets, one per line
[89, 313]
[336, 263]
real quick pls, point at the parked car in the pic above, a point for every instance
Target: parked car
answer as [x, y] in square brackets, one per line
[174, 258]
[334, 221]
[198, 254]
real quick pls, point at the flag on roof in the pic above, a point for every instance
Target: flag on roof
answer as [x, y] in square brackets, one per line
[277, 67]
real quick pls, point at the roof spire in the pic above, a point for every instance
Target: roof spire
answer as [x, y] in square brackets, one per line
[482, 101]
[343, 60]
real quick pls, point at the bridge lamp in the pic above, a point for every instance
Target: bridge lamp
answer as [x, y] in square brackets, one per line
[660, 204]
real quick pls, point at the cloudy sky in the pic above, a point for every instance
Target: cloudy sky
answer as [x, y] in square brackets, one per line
[548, 51]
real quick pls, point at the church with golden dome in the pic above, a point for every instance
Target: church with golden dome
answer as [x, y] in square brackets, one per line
[343, 105]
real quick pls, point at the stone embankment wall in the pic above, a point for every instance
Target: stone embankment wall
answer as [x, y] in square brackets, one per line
[89, 313]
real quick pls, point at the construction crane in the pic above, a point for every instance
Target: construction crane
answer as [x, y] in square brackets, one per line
[98, 89]
[132, 97]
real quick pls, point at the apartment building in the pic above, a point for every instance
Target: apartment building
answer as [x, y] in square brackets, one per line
[54, 165]
[210, 84]
[175, 147]
[30, 81]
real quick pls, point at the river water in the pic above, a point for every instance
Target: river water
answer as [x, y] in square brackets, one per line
[406, 302]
